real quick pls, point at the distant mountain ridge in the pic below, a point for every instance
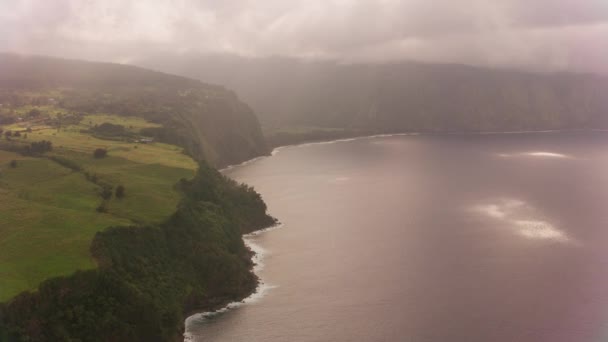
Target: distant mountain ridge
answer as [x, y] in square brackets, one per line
[209, 121]
[403, 96]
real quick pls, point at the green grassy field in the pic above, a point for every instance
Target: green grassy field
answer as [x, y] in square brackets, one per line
[48, 212]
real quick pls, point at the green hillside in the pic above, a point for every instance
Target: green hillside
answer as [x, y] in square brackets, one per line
[207, 120]
[113, 226]
[49, 202]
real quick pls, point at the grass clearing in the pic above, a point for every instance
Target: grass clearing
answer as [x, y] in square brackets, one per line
[48, 212]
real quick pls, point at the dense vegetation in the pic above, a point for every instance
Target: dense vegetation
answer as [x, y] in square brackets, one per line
[88, 146]
[149, 277]
[401, 97]
[59, 195]
[208, 121]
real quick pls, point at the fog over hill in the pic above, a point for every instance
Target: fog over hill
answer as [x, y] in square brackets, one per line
[403, 96]
[344, 63]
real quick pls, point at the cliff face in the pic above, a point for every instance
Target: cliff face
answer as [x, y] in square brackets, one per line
[209, 121]
[402, 96]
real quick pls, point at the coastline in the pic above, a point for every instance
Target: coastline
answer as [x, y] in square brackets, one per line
[260, 290]
[278, 148]
[258, 252]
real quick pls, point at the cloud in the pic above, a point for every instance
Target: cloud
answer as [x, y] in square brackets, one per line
[547, 34]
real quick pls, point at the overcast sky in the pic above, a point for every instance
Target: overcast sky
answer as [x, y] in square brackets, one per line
[532, 34]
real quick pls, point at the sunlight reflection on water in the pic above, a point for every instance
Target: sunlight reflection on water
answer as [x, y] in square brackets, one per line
[520, 216]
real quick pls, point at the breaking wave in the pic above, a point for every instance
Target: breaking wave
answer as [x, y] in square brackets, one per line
[259, 293]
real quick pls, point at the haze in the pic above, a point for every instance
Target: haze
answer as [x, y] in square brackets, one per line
[533, 35]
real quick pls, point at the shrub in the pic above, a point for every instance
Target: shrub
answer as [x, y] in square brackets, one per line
[109, 129]
[39, 147]
[91, 177]
[100, 153]
[66, 163]
[120, 191]
[103, 208]
[34, 113]
[106, 193]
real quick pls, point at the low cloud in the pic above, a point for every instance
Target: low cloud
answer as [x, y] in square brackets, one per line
[540, 34]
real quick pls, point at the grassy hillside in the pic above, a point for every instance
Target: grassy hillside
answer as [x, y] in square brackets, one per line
[150, 276]
[401, 97]
[49, 204]
[208, 121]
[112, 224]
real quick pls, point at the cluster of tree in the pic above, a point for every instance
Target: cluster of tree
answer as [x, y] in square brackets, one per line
[99, 153]
[7, 120]
[34, 113]
[148, 277]
[62, 119]
[16, 134]
[65, 162]
[110, 130]
[38, 147]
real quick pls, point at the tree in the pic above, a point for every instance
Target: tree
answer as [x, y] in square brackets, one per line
[34, 113]
[102, 208]
[106, 193]
[120, 191]
[100, 153]
[40, 147]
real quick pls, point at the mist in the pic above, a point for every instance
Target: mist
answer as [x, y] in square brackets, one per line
[553, 35]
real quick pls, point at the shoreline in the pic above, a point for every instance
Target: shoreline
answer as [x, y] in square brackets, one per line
[278, 148]
[261, 288]
[258, 252]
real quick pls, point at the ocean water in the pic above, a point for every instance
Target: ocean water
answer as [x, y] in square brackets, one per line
[472, 238]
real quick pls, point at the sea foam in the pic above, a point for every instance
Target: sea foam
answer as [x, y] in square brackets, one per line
[259, 293]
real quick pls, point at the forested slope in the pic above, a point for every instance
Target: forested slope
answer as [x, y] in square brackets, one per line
[150, 277]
